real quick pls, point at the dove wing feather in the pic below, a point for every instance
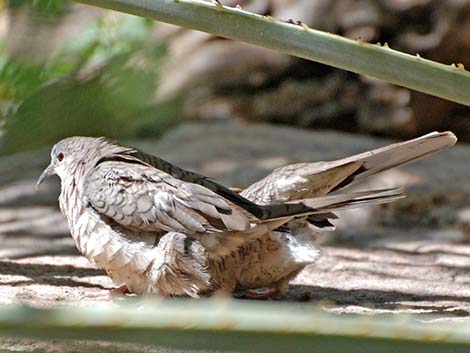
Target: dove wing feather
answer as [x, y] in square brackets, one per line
[147, 199]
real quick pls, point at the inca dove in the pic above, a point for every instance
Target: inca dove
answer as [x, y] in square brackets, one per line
[156, 228]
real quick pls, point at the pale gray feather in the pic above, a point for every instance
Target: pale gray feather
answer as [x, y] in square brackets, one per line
[305, 180]
[148, 199]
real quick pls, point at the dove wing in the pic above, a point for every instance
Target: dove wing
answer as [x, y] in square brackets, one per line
[144, 198]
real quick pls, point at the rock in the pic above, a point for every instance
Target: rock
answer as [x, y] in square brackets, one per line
[221, 79]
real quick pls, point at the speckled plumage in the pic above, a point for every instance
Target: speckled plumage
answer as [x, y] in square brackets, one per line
[160, 229]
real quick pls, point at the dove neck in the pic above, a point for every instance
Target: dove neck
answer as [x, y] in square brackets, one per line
[70, 200]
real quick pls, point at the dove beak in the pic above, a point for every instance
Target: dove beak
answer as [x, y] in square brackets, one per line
[50, 170]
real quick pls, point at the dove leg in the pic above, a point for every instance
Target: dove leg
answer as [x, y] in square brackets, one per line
[108, 294]
[277, 290]
[121, 290]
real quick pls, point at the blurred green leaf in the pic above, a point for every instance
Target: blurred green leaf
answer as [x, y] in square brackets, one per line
[102, 82]
[107, 103]
[235, 326]
[54, 7]
[20, 80]
[49, 6]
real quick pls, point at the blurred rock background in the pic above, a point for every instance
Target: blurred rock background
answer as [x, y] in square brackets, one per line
[67, 68]
[223, 79]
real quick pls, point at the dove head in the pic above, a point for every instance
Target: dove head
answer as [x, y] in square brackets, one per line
[76, 154]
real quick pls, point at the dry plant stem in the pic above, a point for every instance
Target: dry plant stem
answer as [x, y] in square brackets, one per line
[451, 82]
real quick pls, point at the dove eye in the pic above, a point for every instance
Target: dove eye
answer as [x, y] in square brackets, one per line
[60, 156]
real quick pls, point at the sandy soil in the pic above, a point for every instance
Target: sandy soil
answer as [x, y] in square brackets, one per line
[409, 257]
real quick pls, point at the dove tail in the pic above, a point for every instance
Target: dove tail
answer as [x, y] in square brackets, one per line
[385, 158]
[330, 203]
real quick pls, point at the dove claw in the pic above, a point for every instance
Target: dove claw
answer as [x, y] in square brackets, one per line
[261, 294]
[109, 294]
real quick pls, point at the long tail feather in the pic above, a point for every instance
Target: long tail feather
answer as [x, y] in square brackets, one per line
[304, 180]
[381, 159]
[331, 203]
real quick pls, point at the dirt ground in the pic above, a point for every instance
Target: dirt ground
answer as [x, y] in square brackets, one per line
[409, 257]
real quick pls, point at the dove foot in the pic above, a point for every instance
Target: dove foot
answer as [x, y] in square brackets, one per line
[108, 294]
[261, 294]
